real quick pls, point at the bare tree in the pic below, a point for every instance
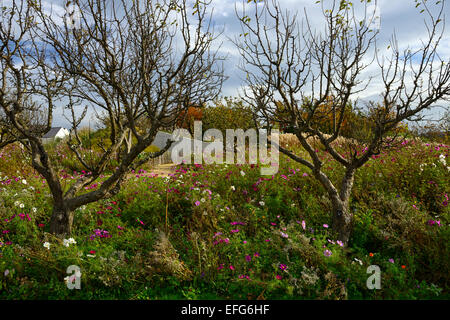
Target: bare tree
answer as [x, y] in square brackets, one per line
[134, 61]
[291, 63]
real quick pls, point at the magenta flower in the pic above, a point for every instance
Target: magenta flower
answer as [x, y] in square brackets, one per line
[197, 203]
[279, 277]
[248, 258]
[391, 260]
[232, 268]
[325, 225]
[283, 267]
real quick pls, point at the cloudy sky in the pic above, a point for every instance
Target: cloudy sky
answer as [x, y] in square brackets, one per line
[399, 16]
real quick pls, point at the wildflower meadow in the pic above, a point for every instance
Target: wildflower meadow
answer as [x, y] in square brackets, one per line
[227, 232]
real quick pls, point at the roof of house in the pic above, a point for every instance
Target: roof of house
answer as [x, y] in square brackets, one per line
[52, 133]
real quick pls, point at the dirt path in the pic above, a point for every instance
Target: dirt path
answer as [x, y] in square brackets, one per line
[162, 170]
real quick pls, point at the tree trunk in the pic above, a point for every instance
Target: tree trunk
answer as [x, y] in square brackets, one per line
[342, 219]
[61, 220]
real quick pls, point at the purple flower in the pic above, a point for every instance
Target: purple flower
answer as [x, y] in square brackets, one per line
[248, 258]
[327, 253]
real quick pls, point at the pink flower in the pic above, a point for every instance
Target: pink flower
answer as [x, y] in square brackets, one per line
[278, 277]
[197, 203]
[325, 225]
[232, 268]
[304, 225]
[327, 253]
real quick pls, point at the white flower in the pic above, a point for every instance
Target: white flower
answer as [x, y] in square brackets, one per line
[233, 188]
[21, 205]
[34, 209]
[17, 203]
[261, 203]
[359, 261]
[242, 173]
[90, 255]
[67, 242]
[47, 245]
[202, 200]
[24, 181]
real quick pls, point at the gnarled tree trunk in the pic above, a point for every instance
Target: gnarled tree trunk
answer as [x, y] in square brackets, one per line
[342, 219]
[61, 220]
